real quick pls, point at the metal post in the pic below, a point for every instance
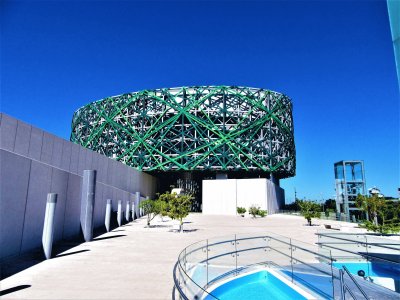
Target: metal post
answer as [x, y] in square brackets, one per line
[137, 201]
[291, 256]
[207, 260]
[87, 203]
[127, 211]
[108, 214]
[236, 255]
[333, 277]
[119, 213]
[48, 227]
[343, 291]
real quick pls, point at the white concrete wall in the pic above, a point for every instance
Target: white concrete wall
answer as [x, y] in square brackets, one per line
[222, 197]
[219, 197]
[252, 192]
[34, 163]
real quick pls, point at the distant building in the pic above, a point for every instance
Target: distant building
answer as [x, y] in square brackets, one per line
[349, 182]
[188, 135]
[375, 191]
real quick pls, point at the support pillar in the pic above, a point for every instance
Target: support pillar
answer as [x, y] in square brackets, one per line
[137, 201]
[48, 227]
[119, 213]
[133, 208]
[107, 221]
[127, 211]
[87, 203]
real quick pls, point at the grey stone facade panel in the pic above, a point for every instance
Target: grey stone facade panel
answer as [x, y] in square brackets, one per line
[72, 207]
[35, 163]
[14, 174]
[81, 160]
[39, 187]
[88, 160]
[98, 214]
[47, 148]
[22, 139]
[57, 152]
[35, 145]
[8, 133]
[73, 168]
[59, 185]
[66, 155]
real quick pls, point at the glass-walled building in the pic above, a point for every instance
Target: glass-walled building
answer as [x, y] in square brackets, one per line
[394, 18]
[349, 181]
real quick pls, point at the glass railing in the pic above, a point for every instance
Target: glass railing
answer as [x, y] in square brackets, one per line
[205, 264]
[374, 258]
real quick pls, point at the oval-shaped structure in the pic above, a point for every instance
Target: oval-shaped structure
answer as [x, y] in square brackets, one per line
[200, 128]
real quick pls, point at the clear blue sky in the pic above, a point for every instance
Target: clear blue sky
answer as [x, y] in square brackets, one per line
[333, 58]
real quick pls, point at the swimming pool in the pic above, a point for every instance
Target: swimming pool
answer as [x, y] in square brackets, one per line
[259, 285]
[381, 273]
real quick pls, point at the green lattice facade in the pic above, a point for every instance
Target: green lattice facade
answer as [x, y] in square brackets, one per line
[202, 128]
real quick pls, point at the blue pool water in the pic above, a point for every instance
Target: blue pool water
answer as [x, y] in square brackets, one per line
[375, 269]
[257, 286]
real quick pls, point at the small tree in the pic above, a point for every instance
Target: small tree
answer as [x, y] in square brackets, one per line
[385, 214]
[149, 209]
[309, 209]
[372, 206]
[163, 209]
[162, 203]
[254, 210]
[179, 208]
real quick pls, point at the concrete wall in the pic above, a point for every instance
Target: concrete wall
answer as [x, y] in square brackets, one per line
[222, 197]
[34, 163]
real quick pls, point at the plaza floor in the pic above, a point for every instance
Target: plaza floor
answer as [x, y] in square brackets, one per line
[135, 262]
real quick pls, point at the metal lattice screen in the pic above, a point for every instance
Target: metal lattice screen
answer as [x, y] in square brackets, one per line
[210, 128]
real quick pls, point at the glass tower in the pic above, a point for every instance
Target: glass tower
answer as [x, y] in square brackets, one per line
[349, 181]
[394, 18]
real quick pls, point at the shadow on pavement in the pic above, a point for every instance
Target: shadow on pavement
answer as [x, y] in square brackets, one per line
[15, 264]
[108, 237]
[14, 289]
[71, 253]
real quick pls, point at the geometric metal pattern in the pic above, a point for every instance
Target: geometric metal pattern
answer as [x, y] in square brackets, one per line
[201, 128]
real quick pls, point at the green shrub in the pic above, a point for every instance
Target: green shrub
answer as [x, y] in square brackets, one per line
[253, 210]
[262, 213]
[240, 210]
[309, 210]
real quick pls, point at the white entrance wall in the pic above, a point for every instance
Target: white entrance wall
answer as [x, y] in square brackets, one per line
[221, 197]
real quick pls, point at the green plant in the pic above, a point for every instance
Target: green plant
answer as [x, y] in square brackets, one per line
[253, 210]
[241, 210]
[262, 213]
[179, 208]
[149, 209]
[309, 209]
[161, 208]
[385, 214]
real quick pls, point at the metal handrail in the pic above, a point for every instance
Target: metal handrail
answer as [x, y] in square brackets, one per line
[344, 286]
[177, 285]
[367, 256]
[256, 237]
[381, 245]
